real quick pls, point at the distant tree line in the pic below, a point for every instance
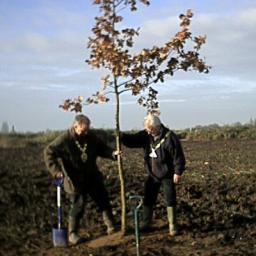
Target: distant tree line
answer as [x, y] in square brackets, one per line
[216, 132]
[199, 132]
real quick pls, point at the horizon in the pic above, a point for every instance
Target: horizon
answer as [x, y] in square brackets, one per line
[238, 123]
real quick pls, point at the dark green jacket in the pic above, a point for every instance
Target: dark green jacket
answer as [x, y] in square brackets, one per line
[64, 155]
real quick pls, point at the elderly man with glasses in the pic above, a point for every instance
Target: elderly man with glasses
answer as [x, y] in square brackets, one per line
[72, 155]
[164, 161]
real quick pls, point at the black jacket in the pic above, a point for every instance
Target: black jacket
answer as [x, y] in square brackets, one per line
[64, 155]
[170, 157]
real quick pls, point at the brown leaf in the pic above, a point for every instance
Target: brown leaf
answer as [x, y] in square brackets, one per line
[105, 81]
[97, 1]
[189, 13]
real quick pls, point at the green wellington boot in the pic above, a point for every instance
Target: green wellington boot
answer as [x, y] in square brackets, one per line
[73, 225]
[109, 221]
[171, 213]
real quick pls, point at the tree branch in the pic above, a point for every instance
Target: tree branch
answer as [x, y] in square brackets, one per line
[124, 90]
[121, 9]
[126, 82]
[110, 85]
[109, 92]
[118, 3]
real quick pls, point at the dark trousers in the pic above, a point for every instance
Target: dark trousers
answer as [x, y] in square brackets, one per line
[152, 188]
[96, 190]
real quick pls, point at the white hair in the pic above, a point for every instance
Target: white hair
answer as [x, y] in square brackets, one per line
[152, 120]
[82, 119]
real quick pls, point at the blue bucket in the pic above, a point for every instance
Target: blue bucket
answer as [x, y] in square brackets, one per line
[60, 237]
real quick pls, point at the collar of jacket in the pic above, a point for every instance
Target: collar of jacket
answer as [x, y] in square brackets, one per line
[163, 131]
[73, 135]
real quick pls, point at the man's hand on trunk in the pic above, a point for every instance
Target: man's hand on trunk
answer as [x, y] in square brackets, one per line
[176, 178]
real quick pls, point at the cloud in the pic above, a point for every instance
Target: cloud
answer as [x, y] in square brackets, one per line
[43, 52]
[230, 43]
[229, 49]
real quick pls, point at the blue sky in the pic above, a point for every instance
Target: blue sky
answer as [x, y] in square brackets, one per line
[43, 49]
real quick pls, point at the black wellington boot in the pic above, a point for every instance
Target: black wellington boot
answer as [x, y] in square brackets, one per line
[147, 218]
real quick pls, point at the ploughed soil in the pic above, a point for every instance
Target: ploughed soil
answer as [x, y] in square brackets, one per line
[216, 204]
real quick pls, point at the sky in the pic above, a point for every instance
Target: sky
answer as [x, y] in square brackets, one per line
[43, 52]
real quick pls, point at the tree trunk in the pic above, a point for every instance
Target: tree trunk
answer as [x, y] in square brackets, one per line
[119, 160]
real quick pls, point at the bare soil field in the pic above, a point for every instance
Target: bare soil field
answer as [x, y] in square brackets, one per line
[216, 204]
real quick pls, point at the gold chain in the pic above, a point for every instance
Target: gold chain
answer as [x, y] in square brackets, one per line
[161, 142]
[83, 150]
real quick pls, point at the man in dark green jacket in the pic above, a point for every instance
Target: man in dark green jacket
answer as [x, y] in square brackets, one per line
[72, 156]
[164, 161]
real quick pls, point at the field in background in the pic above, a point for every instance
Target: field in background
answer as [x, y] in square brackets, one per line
[202, 133]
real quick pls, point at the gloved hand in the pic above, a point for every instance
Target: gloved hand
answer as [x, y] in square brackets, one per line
[59, 179]
[176, 178]
[116, 153]
[59, 175]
